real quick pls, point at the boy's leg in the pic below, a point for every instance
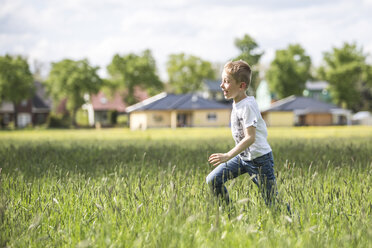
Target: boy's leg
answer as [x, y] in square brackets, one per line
[264, 167]
[222, 173]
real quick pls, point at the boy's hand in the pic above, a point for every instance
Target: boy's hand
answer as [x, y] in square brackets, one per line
[218, 158]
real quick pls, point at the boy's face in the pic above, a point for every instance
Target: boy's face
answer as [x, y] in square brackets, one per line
[231, 89]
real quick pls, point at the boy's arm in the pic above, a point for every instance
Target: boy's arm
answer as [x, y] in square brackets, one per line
[219, 158]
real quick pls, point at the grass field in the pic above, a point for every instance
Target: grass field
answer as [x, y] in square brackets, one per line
[117, 188]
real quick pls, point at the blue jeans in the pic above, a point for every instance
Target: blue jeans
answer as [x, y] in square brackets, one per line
[262, 168]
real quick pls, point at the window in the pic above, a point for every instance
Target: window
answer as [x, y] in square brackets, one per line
[212, 117]
[101, 117]
[6, 119]
[40, 118]
[157, 118]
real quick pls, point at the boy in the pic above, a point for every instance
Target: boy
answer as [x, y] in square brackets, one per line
[252, 153]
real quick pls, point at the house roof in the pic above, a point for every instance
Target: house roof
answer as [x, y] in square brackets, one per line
[41, 93]
[318, 85]
[166, 101]
[38, 103]
[6, 107]
[101, 102]
[362, 115]
[213, 85]
[293, 103]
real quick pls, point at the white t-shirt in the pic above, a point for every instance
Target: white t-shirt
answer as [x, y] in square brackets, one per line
[244, 114]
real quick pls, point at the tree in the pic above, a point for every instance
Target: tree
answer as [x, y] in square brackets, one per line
[349, 76]
[187, 72]
[16, 81]
[249, 53]
[71, 80]
[289, 71]
[131, 70]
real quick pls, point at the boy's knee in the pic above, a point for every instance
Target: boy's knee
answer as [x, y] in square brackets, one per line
[212, 180]
[209, 179]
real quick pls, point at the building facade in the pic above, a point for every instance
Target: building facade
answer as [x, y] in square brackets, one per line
[304, 111]
[173, 111]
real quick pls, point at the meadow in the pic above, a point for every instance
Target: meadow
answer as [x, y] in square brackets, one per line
[122, 188]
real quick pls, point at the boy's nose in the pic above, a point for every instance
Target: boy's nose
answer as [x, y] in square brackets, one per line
[221, 85]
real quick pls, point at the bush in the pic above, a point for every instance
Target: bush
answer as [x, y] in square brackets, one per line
[58, 121]
[82, 118]
[11, 125]
[122, 120]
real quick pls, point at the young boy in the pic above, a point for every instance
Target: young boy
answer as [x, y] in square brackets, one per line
[252, 153]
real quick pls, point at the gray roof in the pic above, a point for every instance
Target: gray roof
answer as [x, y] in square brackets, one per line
[177, 102]
[213, 85]
[41, 93]
[38, 103]
[293, 103]
[6, 107]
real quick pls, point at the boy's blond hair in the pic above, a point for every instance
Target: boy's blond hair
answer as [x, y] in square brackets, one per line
[240, 71]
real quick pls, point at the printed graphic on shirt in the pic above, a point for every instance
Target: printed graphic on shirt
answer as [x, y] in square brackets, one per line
[238, 132]
[254, 122]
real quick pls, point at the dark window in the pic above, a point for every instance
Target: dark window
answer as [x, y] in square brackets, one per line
[212, 117]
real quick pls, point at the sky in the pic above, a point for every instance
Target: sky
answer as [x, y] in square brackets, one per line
[51, 30]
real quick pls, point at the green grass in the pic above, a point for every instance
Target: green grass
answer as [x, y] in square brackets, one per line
[117, 188]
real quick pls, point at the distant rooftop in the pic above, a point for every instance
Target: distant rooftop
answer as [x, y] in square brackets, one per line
[166, 101]
[213, 85]
[38, 103]
[292, 103]
[318, 85]
[101, 102]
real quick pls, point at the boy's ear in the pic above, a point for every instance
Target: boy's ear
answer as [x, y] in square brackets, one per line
[243, 85]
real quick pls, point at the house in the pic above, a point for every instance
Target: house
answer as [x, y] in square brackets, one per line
[100, 108]
[33, 111]
[103, 110]
[212, 90]
[185, 110]
[318, 90]
[305, 111]
[362, 118]
[29, 112]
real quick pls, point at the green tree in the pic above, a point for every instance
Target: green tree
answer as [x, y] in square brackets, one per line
[187, 72]
[133, 70]
[71, 80]
[16, 81]
[289, 71]
[250, 53]
[349, 76]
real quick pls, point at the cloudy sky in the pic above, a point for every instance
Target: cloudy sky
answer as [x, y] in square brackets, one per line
[51, 30]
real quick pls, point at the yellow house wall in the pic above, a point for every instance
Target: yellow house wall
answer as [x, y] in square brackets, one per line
[319, 119]
[174, 119]
[275, 119]
[138, 120]
[158, 119]
[200, 118]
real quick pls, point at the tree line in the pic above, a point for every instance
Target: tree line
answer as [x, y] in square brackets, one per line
[345, 69]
